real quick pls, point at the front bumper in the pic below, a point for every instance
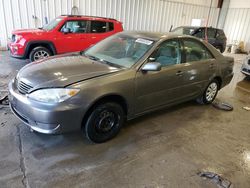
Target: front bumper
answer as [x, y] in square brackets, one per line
[16, 50]
[43, 117]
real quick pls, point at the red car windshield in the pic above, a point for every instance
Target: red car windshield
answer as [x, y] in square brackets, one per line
[51, 25]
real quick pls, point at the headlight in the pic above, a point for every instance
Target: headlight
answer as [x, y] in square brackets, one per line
[18, 38]
[53, 95]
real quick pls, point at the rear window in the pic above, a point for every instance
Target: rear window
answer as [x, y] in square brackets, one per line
[98, 27]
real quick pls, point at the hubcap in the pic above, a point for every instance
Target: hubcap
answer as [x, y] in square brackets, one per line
[211, 91]
[106, 121]
[40, 55]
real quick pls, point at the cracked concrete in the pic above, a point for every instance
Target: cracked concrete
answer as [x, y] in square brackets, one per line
[22, 160]
[163, 149]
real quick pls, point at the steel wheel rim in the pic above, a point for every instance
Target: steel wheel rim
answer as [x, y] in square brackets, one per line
[40, 55]
[106, 121]
[211, 91]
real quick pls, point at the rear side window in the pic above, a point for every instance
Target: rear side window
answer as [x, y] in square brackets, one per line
[111, 26]
[98, 27]
[195, 51]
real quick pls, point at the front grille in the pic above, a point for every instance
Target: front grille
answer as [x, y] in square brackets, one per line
[23, 87]
[13, 38]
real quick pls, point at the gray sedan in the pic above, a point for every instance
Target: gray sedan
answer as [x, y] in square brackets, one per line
[122, 77]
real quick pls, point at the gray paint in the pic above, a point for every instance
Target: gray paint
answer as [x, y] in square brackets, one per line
[143, 92]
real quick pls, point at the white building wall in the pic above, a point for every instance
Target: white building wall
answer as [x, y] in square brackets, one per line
[239, 4]
[148, 15]
[237, 25]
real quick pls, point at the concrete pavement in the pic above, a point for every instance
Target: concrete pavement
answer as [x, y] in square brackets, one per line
[163, 149]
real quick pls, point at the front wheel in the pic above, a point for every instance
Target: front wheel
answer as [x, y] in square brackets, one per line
[210, 93]
[38, 53]
[104, 122]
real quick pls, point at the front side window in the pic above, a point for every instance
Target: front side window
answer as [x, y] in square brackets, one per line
[98, 27]
[120, 50]
[211, 33]
[168, 53]
[200, 33]
[76, 26]
[195, 51]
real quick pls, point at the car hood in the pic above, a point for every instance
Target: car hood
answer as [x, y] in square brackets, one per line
[27, 31]
[62, 71]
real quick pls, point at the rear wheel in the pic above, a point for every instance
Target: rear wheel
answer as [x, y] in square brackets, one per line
[210, 93]
[38, 53]
[220, 49]
[104, 122]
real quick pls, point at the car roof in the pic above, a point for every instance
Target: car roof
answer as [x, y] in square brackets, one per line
[155, 36]
[89, 17]
[195, 27]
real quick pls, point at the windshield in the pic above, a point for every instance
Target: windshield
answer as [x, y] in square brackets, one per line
[120, 50]
[51, 25]
[184, 30]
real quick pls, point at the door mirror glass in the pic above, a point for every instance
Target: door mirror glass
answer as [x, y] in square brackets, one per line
[151, 66]
[65, 30]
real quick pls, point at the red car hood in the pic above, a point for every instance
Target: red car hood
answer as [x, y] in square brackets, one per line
[27, 31]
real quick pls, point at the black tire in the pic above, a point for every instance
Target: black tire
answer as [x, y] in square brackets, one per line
[213, 86]
[219, 48]
[44, 52]
[104, 122]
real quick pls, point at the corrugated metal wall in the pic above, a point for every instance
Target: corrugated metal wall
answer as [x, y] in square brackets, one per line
[237, 26]
[149, 15]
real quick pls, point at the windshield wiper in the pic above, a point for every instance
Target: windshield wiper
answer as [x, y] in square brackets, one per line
[93, 57]
[103, 61]
[111, 64]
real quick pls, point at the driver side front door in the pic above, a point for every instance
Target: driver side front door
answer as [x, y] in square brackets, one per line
[158, 88]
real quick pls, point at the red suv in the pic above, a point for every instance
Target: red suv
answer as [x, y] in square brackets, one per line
[66, 33]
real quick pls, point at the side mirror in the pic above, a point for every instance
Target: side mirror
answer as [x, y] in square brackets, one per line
[65, 30]
[151, 66]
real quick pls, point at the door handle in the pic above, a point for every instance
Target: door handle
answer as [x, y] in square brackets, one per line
[179, 73]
